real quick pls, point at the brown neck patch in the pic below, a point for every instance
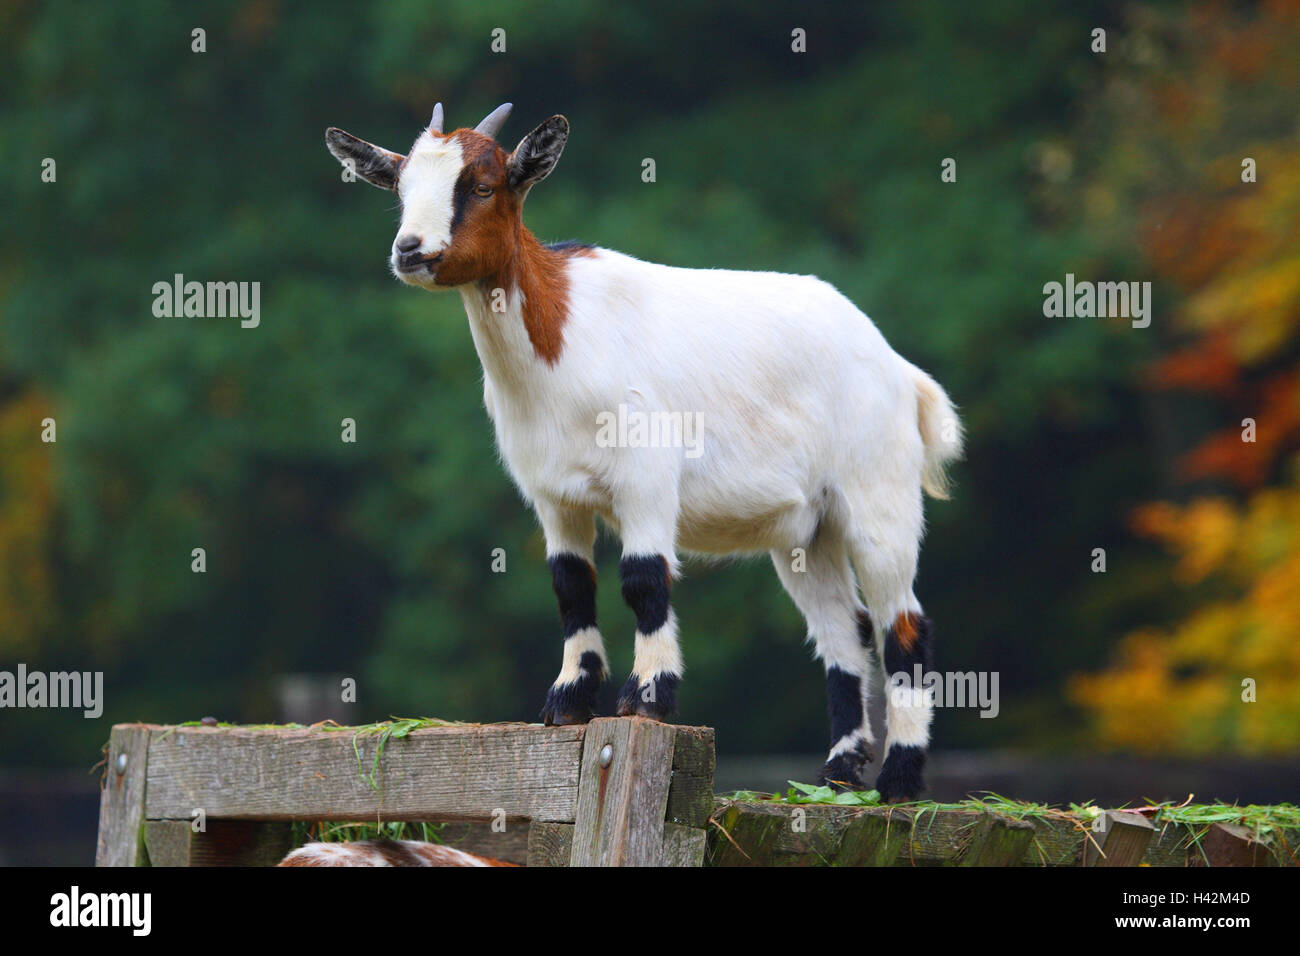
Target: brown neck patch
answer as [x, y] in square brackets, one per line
[492, 247]
[541, 276]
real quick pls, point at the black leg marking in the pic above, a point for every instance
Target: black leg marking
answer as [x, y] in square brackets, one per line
[902, 778]
[574, 580]
[867, 634]
[645, 589]
[844, 702]
[908, 643]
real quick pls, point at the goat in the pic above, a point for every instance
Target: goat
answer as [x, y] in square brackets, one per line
[818, 437]
[384, 853]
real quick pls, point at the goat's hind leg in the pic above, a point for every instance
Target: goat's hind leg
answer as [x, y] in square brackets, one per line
[823, 589]
[570, 536]
[886, 565]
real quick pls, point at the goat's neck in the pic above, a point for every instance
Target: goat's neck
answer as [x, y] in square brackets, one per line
[523, 341]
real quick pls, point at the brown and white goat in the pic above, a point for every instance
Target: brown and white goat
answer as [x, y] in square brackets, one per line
[815, 440]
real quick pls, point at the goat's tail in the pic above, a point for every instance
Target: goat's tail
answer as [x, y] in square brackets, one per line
[941, 432]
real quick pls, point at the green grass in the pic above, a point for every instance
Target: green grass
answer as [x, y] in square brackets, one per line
[1275, 824]
[327, 832]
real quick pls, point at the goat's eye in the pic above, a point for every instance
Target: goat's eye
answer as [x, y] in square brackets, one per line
[482, 189]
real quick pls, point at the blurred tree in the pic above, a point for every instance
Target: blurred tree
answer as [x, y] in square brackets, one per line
[374, 559]
[1207, 140]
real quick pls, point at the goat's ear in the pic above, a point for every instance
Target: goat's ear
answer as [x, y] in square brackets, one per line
[375, 165]
[537, 154]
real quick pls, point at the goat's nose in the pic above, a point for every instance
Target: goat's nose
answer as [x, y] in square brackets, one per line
[408, 243]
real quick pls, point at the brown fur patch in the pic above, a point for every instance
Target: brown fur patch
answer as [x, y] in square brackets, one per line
[491, 246]
[905, 631]
[385, 853]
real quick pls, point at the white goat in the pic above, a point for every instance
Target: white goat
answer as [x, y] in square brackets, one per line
[817, 438]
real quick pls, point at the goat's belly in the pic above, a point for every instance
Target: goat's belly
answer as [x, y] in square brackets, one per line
[782, 527]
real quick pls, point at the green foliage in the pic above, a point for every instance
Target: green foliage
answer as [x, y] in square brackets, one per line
[373, 558]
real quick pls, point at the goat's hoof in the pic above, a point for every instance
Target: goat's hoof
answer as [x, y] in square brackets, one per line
[568, 704]
[902, 778]
[564, 720]
[655, 698]
[844, 772]
[642, 710]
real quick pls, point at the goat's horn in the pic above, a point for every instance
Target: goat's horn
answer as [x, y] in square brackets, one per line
[435, 124]
[493, 122]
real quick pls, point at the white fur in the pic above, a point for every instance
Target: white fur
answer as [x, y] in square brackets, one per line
[575, 645]
[658, 653]
[907, 715]
[816, 434]
[426, 186]
[802, 401]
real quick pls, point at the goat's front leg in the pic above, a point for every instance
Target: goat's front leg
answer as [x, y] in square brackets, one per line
[646, 572]
[569, 539]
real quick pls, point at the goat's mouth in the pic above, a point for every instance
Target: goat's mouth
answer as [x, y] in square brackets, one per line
[411, 265]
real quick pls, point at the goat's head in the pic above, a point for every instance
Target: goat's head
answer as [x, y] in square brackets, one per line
[461, 194]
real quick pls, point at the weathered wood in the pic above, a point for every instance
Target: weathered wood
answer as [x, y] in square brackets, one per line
[550, 844]
[763, 834]
[122, 801]
[621, 807]
[439, 773]
[683, 846]
[510, 844]
[745, 834]
[942, 838]
[690, 793]
[1230, 844]
[221, 843]
[998, 840]
[873, 838]
[1056, 842]
[167, 842]
[1121, 838]
[1171, 845]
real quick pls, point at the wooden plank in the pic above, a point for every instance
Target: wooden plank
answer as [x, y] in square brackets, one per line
[510, 844]
[621, 805]
[550, 844]
[690, 793]
[940, 838]
[122, 801]
[1230, 844]
[220, 843]
[998, 841]
[683, 846]
[1056, 842]
[873, 838]
[1171, 845]
[167, 842]
[1120, 837]
[434, 774]
[761, 834]
[744, 834]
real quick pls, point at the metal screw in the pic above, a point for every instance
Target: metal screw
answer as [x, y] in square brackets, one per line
[121, 763]
[606, 755]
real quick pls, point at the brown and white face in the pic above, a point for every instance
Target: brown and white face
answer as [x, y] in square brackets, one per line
[461, 194]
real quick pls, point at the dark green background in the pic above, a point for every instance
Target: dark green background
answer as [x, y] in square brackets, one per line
[374, 559]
